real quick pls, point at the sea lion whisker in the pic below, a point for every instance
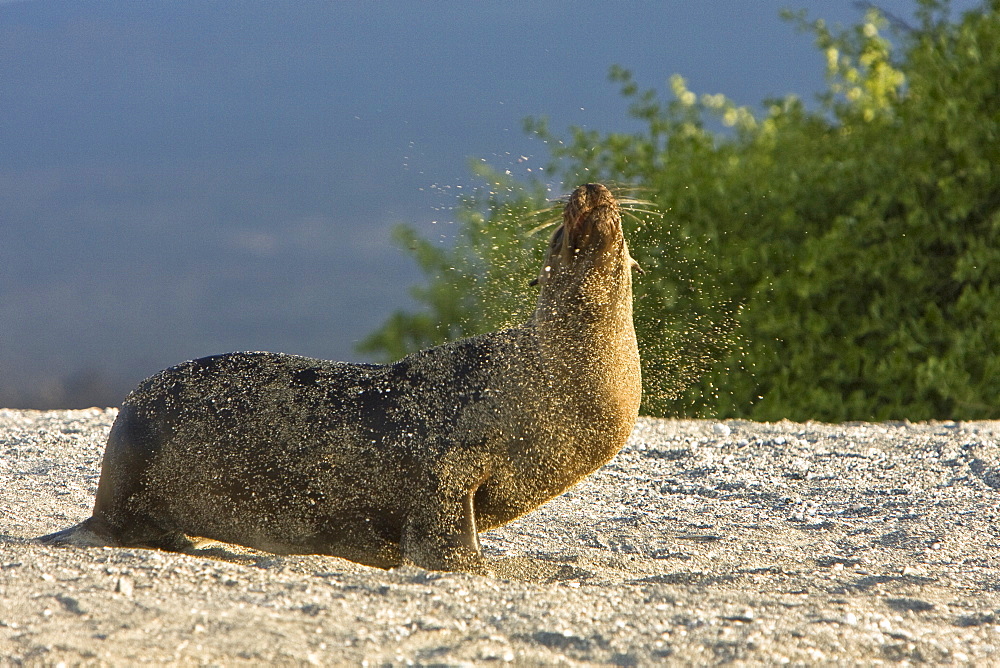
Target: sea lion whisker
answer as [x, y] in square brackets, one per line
[634, 218]
[624, 201]
[639, 221]
[635, 209]
[549, 215]
[625, 191]
[538, 228]
[554, 206]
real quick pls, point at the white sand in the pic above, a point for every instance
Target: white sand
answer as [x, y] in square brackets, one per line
[807, 543]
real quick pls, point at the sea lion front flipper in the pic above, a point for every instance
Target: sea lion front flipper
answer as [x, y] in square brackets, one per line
[441, 535]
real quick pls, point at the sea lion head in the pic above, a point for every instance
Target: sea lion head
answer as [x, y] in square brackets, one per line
[590, 236]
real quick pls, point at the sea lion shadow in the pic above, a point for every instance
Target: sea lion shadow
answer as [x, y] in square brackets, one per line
[9, 539]
[235, 554]
[537, 570]
[542, 569]
[520, 568]
[269, 561]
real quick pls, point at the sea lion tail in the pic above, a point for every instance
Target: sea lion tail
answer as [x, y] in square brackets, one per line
[81, 535]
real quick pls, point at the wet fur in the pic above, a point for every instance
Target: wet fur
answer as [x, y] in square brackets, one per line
[386, 464]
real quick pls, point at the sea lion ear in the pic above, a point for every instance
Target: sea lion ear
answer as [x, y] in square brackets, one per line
[557, 243]
[635, 265]
[543, 275]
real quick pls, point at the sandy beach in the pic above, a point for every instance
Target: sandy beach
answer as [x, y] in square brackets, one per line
[700, 543]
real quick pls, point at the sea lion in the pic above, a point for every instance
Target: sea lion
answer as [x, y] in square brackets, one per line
[387, 464]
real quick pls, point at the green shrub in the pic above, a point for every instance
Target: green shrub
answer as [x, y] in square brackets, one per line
[855, 244]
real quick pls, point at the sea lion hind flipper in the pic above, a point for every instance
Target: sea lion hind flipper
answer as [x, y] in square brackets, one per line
[93, 532]
[83, 534]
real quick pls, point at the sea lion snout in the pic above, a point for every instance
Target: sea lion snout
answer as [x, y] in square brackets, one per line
[591, 229]
[591, 215]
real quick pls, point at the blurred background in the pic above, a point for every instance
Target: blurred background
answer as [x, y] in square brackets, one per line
[185, 178]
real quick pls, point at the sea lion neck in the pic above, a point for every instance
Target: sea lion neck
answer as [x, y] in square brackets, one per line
[583, 319]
